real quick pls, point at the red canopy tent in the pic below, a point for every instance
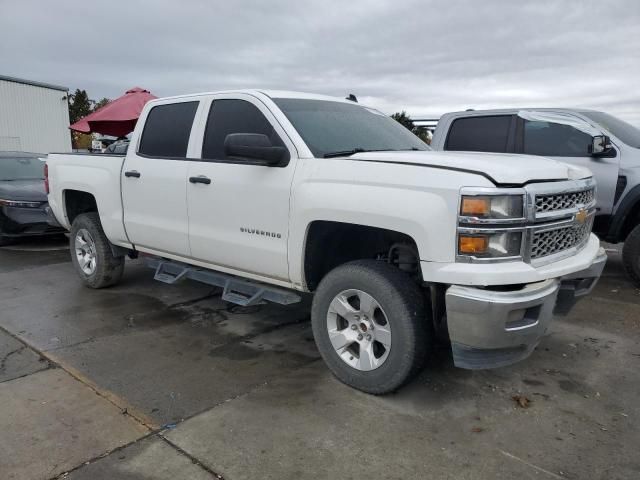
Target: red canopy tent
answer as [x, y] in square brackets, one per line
[118, 117]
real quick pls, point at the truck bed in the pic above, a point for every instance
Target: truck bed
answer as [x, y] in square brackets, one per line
[97, 175]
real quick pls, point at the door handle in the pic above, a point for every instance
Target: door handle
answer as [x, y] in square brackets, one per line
[132, 173]
[200, 179]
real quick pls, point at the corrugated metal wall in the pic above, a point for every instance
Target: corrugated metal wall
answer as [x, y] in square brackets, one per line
[33, 118]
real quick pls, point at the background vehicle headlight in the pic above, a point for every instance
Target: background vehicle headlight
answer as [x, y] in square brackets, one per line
[490, 245]
[19, 203]
[492, 206]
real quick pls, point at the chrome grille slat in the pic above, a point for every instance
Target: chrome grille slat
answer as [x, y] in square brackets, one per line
[563, 201]
[549, 242]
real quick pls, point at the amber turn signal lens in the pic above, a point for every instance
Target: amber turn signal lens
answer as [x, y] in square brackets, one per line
[475, 206]
[468, 244]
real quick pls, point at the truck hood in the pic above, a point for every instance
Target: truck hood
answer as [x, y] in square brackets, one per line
[500, 168]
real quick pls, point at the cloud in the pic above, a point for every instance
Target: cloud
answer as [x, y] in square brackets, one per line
[426, 57]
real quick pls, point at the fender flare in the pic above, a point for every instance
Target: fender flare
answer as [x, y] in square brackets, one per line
[629, 201]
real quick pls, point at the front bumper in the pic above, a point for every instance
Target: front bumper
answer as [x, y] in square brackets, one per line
[490, 327]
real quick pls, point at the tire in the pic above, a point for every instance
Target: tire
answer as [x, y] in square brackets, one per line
[106, 269]
[631, 255]
[399, 347]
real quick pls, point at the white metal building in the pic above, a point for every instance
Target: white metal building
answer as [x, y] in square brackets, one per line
[34, 116]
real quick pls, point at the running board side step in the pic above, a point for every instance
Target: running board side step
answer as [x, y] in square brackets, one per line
[235, 290]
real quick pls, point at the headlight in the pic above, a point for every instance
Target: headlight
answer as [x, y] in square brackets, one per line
[490, 245]
[492, 206]
[19, 204]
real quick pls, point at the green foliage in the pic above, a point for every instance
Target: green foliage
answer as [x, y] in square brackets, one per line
[100, 103]
[405, 120]
[79, 105]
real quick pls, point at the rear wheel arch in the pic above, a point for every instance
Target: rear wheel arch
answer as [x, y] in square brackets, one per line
[77, 202]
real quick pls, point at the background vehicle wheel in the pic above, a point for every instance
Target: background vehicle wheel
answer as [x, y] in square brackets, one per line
[91, 253]
[631, 255]
[372, 325]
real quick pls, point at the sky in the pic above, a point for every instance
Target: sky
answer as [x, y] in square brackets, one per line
[424, 57]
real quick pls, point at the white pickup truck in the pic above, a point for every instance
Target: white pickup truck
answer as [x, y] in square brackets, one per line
[266, 193]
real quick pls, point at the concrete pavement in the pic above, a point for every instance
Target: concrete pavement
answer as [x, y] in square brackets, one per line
[147, 380]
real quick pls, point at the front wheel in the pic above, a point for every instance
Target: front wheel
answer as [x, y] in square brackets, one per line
[372, 325]
[631, 255]
[91, 253]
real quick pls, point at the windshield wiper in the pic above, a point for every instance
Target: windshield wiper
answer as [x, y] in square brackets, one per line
[348, 153]
[345, 153]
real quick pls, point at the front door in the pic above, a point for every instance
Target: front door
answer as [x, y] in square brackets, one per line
[568, 144]
[238, 207]
[154, 181]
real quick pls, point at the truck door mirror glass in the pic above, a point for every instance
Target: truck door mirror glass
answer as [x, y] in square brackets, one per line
[600, 146]
[255, 146]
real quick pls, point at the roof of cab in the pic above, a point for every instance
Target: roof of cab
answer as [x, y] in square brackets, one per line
[515, 110]
[268, 93]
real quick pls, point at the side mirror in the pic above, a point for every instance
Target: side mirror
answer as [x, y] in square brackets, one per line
[255, 146]
[600, 146]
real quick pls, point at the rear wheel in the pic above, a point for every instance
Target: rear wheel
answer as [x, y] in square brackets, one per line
[91, 253]
[371, 325]
[631, 255]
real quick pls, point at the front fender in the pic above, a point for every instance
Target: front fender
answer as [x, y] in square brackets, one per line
[419, 202]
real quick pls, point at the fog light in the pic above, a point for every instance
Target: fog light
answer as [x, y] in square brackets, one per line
[468, 244]
[494, 245]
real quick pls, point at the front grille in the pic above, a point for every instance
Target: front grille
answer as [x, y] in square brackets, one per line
[562, 201]
[548, 242]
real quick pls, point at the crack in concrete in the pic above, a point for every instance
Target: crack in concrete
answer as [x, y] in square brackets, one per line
[102, 455]
[126, 409]
[191, 457]
[3, 360]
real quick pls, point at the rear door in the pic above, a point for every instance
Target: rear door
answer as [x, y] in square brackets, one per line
[240, 220]
[154, 180]
[568, 144]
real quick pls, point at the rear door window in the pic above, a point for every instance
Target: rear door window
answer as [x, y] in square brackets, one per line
[167, 130]
[229, 116]
[480, 134]
[554, 140]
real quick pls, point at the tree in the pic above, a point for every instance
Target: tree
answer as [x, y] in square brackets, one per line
[405, 120]
[100, 103]
[80, 105]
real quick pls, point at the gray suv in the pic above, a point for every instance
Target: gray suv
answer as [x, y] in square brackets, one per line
[606, 145]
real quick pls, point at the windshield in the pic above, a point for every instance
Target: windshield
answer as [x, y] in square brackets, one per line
[626, 132]
[21, 168]
[329, 127]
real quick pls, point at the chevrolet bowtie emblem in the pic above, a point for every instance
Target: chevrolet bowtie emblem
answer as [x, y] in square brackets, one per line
[581, 216]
